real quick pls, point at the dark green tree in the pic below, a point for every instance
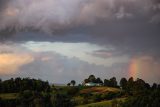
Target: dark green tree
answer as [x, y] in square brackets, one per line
[154, 86]
[139, 85]
[113, 82]
[130, 84]
[92, 78]
[73, 82]
[123, 83]
[86, 81]
[98, 80]
[106, 82]
[68, 84]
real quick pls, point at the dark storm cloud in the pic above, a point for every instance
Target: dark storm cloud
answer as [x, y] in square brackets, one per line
[133, 35]
[131, 26]
[52, 15]
[3, 4]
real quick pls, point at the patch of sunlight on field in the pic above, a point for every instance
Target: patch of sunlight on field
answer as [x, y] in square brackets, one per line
[100, 90]
[8, 95]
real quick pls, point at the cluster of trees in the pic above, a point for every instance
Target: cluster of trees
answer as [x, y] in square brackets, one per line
[34, 93]
[73, 82]
[18, 85]
[128, 85]
[136, 86]
[29, 98]
[149, 99]
[142, 94]
[93, 79]
[110, 83]
[144, 98]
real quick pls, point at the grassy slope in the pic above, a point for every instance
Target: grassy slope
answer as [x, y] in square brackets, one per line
[99, 90]
[102, 103]
[95, 90]
[8, 95]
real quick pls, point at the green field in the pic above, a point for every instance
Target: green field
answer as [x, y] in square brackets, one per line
[102, 103]
[8, 96]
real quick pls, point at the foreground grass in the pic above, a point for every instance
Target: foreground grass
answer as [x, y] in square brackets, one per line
[8, 96]
[102, 103]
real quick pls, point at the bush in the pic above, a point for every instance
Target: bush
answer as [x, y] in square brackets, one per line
[72, 91]
[97, 97]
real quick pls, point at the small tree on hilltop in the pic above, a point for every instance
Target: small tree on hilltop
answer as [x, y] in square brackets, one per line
[92, 78]
[73, 82]
[68, 84]
[98, 80]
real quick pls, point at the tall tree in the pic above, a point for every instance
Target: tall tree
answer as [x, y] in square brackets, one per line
[113, 82]
[106, 82]
[139, 84]
[92, 78]
[123, 83]
[154, 86]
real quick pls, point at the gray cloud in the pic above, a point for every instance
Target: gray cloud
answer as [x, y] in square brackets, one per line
[60, 69]
[51, 15]
[130, 25]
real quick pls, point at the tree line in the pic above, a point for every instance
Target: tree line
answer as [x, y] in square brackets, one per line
[38, 93]
[128, 85]
[33, 93]
[18, 85]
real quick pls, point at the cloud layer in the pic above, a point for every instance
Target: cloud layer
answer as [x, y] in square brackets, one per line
[50, 15]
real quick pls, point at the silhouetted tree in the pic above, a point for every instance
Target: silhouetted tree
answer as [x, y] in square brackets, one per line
[73, 82]
[86, 81]
[68, 84]
[154, 86]
[98, 80]
[123, 83]
[130, 84]
[139, 84]
[113, 82]
[92, 78]
[106, 82]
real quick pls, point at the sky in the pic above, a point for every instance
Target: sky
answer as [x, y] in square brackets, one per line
[61, 40]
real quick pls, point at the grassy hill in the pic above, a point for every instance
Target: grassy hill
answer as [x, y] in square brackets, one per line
[95, 94]
[99, 90]
[82, 95]
[26, 91]
[9, 96]
[108, 103]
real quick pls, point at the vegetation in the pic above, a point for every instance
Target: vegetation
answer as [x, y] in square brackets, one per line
[108, 103]
[93, 79]
[19, 85]
[8, 96]
[26, 92]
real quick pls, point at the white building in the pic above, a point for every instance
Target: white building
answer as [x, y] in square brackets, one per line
[92, 84]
